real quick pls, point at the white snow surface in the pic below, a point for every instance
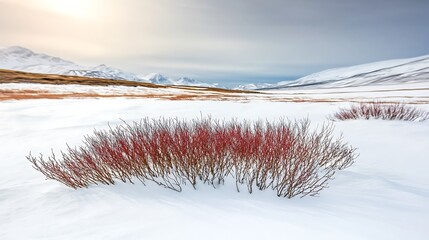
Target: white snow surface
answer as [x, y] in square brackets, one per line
[23, 59]
[384, 195]
[397, 71]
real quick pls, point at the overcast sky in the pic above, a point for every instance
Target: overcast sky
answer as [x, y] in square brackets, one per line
[227, 40]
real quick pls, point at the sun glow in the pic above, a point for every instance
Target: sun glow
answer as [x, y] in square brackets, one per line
[73, 8]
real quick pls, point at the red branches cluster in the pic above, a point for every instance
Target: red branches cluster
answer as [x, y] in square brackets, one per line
[284, 156]
[378, 110]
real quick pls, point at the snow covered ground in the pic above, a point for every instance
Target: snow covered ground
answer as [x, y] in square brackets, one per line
[384, 195]
[405, 92]
[416, 93]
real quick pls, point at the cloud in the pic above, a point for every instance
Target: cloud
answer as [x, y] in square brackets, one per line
[217, 38]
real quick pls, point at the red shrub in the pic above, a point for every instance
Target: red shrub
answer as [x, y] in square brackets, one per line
[284, 156]
[378, 110]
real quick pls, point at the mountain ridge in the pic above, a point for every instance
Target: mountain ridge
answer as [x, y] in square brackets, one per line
[23, 59]
[395, 71]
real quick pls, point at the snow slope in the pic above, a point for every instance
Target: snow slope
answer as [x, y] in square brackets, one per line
[22, 59]
[384, 195]
[409, 70]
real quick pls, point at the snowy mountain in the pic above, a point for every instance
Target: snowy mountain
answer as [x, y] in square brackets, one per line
[378, 73]
[22, 59]
[187, 80]
[160, 79]
[103, 71]
[192, 82]
[157, 79]
[253, 86]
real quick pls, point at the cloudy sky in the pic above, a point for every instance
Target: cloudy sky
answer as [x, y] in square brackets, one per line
[219, 40]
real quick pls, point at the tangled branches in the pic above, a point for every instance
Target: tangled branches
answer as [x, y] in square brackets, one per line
[378, 110]
[285, 156]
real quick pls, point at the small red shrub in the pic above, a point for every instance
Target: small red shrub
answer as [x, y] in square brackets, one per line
[378, 110]
[284, 156]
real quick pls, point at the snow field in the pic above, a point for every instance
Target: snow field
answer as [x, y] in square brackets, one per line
[384, 195]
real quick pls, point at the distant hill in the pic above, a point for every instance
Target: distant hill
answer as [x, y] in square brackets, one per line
[23, 59]
[396, 71]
